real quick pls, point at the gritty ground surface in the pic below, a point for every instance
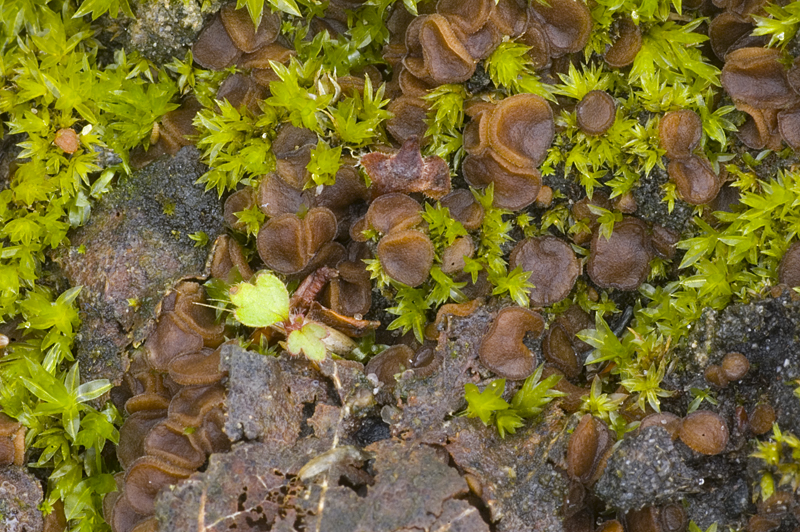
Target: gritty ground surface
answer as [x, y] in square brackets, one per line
[20, 496]
[135, 248]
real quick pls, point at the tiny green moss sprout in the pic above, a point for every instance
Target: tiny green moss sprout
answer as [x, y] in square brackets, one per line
[325, 162]
[510, 68]
[99, 7]
[445, 122]
[781, 458]
[443, 228]
[694, 528]
[529, 401]
[781, 24]
[699, 395]
[602, 405]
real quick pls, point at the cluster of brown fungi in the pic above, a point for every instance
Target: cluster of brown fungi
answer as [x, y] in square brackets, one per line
[174, 400]
[318, 235]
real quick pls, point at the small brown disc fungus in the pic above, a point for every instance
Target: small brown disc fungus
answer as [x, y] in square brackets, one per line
[581, 448]
[673, 518]
[12, 441]
[596, 112]
[521, 129]
[287, 244]
[465, 208]
[239, 201]
[146, 477]
[393, 212]
[514, 187]
[726, 31]
[735, 366]
[789, 268]
[454, 254]
[695, 180]
[705, 432]
[680, 132]
[622, 261]
[396, 359]
[567, 23]
[669, 422]
[587, 449]
[761, 419]
[789, 126]
[168, 441]
[351, 292]
[67, 140]
[228, 262]
[406, 256]
[408, 120]
[756, 77]
[624, 50]
[243, 33]
[292, 148]
[276, 197]
[502, 349]
[214, 49]
[509, 17]
[552, 265]
[557, 349]
[467, 15]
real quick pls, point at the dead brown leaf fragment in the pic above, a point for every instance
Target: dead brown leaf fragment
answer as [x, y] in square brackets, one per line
[407, 171]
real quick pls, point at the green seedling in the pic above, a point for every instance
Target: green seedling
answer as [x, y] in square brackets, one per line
[266, 303]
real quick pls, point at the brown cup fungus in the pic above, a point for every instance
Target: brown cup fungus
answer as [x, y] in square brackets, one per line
[392, 212]
[755, 76]
[552, 265]
[514, 187]
[464, 208]
[453, 255]
[406, 256]
[761, 419]
[789, 126]
[292, 148]
[596, 112]
[695, 180]
[396, 359]
[287, 244]
[214, 49]
[567, 23]
[408, 118]
[446, 59]
[244, 35]
[623, 260]
[521, 129]
[680, 133]
[67, 140]
[502, 349]
[789, 268]
[12, 441]
[735, 366]
[705, 432]
[587, 450]
[239, 201]
[175, 419]
[624, 50]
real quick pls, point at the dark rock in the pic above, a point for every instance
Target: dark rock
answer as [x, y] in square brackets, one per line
[427, 402]
[522, 479]
[133, 250]
[259, 486]
[164, 29]
[260, 404]
[414, 489]
[646, 469]
[20, 496]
